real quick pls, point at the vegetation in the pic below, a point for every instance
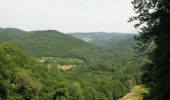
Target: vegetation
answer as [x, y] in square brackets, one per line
[153, 17]
[27, 77]
[137, 93]
[61, 61]
[52, 43]
[50, 65]
[119, 43]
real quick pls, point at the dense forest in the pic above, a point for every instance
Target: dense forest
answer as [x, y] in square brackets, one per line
[34, 66]
[153, 20]
[51, 65]
[119, 43]
[51, 43]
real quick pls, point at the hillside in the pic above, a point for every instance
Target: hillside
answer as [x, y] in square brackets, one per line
[62, 68]
[11, 30]
[121, 43]
[51, 43]
[23, 78]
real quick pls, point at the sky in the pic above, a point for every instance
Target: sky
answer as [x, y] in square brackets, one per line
[67, 15]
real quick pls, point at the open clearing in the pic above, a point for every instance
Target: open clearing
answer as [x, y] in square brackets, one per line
[137, 93]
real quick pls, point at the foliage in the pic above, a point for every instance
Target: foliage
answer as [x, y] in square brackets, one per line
[16, 80]
[153, 20]
[22, 77]
[137, 93]
[99, 73]
[119, 43]
[51, 43]
[61, 61]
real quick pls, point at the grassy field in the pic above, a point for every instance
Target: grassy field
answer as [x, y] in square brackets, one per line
[61, 63]
[137, 93]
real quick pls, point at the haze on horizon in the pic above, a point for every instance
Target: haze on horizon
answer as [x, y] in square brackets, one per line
[67, 15]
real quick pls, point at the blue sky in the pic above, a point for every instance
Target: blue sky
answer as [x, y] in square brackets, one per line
[67, 15]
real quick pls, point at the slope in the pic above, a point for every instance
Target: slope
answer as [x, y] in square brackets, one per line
[121, 43]
[51, 43]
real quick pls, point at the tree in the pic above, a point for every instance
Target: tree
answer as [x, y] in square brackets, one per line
[75, 91]
[153, 19]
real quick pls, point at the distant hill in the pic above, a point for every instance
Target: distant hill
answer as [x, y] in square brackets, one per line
[120, 43]
[11, 30]
[51, 43]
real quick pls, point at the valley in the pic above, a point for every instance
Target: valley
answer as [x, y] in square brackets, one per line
[52, 65]
[84, 49]
[119, 43]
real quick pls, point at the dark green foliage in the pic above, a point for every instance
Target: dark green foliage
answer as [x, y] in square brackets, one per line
[52, 43]
[97, 73]
[120, 43]
[154, 41]
[16, 80]
[22, 77]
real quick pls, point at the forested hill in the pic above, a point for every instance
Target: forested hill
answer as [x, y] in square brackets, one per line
[64, 68]
[51, 43]
[11, 30]
[121, 43]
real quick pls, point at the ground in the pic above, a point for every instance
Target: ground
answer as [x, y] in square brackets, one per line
[137, 93]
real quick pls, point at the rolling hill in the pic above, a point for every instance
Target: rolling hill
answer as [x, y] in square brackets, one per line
[51, 43]
[67, 68]
[120, 43]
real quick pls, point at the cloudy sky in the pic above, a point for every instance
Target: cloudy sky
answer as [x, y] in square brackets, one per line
[67, 15]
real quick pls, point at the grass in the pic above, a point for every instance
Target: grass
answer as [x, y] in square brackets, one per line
[137, 93]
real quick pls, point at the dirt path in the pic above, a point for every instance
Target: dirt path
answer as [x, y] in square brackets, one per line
[137, 93]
